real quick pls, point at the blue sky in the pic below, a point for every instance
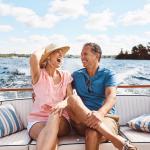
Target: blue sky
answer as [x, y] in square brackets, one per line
[114, 24]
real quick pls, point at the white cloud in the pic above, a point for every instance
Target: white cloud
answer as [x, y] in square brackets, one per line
[38, 38]
[111, 45]
[44, 40]
[5, 9]
[58, 10]
[137, 17]
[100, 21]
[30, 43]
[86, 37]
[147, 33]
[28, 16]
[5, 28]
[17, 40]
[69, 8]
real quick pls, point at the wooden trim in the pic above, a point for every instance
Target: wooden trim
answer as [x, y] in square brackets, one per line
[30, 89]
[134, 86]
[15, 89]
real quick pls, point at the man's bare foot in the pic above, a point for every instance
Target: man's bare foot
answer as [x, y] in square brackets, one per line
[128, 146]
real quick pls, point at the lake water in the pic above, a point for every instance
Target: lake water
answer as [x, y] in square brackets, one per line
[15, 72]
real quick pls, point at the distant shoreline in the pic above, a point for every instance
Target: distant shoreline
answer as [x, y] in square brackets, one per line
[12, 55]
[28, 55]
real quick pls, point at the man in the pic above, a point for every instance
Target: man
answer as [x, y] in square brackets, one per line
[92, 109]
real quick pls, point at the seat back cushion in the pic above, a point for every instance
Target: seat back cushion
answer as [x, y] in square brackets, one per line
[22, 107]
[132, 106]
[141, 123]
[9, 120]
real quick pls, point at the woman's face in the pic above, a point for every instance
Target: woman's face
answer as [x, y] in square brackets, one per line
[56, 58]
[88, 58]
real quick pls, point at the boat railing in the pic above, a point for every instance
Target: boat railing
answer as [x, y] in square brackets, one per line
[126, 88]
[30, 89]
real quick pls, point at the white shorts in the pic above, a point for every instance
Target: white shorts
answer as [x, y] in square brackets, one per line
[30, 124]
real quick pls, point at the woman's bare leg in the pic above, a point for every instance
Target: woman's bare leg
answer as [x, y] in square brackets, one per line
[48, 137]
[36, 129]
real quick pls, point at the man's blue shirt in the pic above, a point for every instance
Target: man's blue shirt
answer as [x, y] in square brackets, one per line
[92, 89]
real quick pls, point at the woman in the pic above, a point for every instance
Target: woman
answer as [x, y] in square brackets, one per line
[48, 118]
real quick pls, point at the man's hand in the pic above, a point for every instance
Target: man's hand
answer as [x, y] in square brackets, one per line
[93, 119]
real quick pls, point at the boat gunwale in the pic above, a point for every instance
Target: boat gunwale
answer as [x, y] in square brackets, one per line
[29, 98]
[30, 88]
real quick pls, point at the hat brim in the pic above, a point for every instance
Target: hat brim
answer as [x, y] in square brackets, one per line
[64, 49]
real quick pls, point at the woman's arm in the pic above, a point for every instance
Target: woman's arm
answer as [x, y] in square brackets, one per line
[59, 107]
[34, 65]
[69, 90]
[68, 93]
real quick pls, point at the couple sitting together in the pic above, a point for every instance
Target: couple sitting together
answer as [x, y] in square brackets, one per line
[57, 108]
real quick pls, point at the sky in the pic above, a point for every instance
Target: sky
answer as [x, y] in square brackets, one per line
[28, 25]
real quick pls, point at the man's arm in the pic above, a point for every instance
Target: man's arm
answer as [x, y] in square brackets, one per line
[110, 100]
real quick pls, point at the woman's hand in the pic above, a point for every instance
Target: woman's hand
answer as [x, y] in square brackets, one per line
[58, 108]
[46, 108]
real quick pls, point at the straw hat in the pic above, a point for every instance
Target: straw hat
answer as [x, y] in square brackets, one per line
[51, 48]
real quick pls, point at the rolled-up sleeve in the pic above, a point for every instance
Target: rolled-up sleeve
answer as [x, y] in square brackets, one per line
[111, 79]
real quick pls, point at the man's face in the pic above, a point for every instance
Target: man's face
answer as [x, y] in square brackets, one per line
[88, 58]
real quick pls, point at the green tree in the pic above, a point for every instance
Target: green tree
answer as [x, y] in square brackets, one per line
[137, 52]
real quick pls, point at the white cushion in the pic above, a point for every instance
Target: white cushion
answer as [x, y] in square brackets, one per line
[16, 139]
[23, 147]
[74, 142]
[127, 107]
[103, 146]
[71, 139]
[135, 136]
[23, 108]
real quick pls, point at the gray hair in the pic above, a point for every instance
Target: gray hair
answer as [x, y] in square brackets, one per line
[95, 48]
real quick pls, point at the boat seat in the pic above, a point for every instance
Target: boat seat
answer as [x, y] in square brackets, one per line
[16, 141]
[138, 138]
[126, 107]
[74, 142]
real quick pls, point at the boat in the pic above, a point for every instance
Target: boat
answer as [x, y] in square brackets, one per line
[128, 107]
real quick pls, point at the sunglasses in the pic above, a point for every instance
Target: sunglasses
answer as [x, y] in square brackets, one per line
[89, 85]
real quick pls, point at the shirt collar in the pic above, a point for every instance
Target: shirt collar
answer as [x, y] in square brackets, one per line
[84, 71]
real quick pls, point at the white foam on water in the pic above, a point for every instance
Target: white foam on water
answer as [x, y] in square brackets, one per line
[25, 70]
[126, 74]
[1, 97]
